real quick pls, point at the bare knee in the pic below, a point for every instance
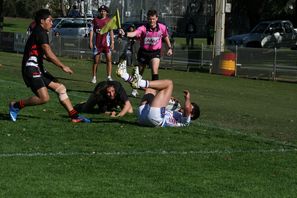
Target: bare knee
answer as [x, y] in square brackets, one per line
[42, 96]
[169, 83]
[44, 99]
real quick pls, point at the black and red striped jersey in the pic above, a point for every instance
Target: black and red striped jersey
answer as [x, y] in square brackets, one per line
[33, 54]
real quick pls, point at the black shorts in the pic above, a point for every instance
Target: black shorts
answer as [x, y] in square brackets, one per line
[35, 79]
[144, 56]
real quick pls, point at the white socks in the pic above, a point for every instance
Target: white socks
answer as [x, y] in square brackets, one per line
[143, 83]
[126, 77]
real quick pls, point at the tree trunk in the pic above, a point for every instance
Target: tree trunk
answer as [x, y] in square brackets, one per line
[1, 15]
[63, 8]
[295, 13]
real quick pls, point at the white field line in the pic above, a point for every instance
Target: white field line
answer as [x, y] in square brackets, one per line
[139, 153]
[142, 153]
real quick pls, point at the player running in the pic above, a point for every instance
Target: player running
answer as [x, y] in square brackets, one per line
[35, 75]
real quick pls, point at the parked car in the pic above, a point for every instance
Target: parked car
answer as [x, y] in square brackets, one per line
[277, 33]
[77, 27]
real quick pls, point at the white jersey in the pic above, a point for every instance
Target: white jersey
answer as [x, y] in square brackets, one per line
[175, 119]
[161, 117]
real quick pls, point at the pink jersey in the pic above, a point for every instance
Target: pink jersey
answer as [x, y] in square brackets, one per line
[102, 41]
[151, 39]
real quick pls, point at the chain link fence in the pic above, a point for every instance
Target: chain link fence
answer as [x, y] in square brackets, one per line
[259, 63]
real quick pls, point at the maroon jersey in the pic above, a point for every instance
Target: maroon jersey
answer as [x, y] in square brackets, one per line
[102, 41]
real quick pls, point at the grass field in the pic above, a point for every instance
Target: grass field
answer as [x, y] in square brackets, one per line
[16, 24]
[244, 144]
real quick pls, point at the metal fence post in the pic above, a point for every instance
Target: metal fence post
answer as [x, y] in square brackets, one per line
[274, 65]
[172, 56]
[236, 52]
[202, 55]
[60, 45]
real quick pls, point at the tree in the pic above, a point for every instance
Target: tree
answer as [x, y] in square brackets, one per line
[1, 15]
[63, 7]
[246, 14]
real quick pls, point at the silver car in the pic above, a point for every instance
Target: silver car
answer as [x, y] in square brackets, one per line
[75, 27]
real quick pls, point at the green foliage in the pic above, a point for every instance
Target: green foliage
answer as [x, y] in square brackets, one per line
[23, 8]
[244, 144]
[264, 10]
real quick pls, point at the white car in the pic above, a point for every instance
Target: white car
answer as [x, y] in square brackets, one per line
[268, 34]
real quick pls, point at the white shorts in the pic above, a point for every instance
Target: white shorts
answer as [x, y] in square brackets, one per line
[97, 51]
[150, 116]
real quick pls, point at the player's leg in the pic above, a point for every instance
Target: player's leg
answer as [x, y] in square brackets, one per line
[87, 106]
[95, 67]
[40, 98]
[140, 70]
[144, 107]
[143, 61]
[108, 65]
[155, 62]
[148, 96]
[61, 91]
[165, 88]
[37, 82]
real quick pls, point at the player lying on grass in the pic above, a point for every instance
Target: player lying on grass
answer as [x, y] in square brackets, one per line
[110, 98]
[34, 74]
[152, 110]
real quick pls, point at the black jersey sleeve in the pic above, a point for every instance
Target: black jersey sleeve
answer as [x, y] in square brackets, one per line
[122, 95]
[42, 37]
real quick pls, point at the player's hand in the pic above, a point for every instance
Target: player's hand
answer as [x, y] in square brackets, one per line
[67, 70]
[112, 46]
[91, 45]
[122, 32]
[113, 114]
[187, 94]
[169, 52]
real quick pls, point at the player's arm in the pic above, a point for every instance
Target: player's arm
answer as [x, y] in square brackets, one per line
[167, 41]
[127, 108]
[91, 39]
[187, 105]
[50, 56]
[128, 34]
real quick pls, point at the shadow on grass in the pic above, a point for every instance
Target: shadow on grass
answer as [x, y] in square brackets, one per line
[9, 25]
[108, 120]
[82, 91]
[5, 116]
[71, 79]
[115, 120]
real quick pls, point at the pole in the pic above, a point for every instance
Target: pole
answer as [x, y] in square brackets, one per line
[89, 7]
[219, 27]
[123, 10]
[274, 65]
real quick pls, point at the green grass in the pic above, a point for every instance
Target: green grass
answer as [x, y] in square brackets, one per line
[16, 24]
[181, 42]
[244, 144]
